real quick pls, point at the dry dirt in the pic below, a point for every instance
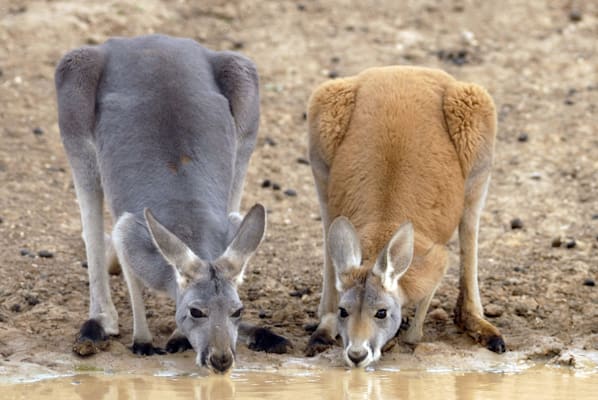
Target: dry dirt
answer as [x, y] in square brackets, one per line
[537, 58]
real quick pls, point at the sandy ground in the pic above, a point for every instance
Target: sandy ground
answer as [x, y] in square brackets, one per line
[539, 61]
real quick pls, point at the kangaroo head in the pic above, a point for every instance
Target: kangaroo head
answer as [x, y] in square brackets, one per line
[369, 312]
[208, 308]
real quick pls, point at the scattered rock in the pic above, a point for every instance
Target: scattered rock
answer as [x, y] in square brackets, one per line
[84, 264]
[594, 217]
[518, 269]
[301, 7]
[536, 176]
[335, 59]
[556, 242]
[311, 327]
[516, 223]
[15, 308]
[38, 131]
[264, 314]
[304, 116]
[26, 252]
[589, 282]
[1, 220]
[275, 186]
[45, 254]
[523, 137]
[525, 306]
[457, 57]
[438, 314]
[238, 45]
[575, 15]
[303, 161]
[332, 74]
[569, 102]
[493, 310]
[290, 192]
[31, 299]
[266, 183]
[571, 243]
[300, 292]
[269, 141]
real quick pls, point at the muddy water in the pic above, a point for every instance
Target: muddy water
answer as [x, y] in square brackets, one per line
[535, 383]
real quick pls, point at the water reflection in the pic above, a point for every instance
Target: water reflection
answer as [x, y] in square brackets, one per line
[333, 384]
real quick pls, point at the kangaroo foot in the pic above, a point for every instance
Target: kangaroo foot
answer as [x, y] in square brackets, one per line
[266, 340]
[91, 339]
[146, 349]
[176, 344]
[319, 341]
[480, 330]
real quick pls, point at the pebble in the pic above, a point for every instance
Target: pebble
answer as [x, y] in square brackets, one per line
[332, 74]
[1, 220]
[556, 242]
[536, 176]
[300, 292]
[15, 308]
[304, 116]
[569, 102]
[516, 223]
[303, 161]
[266, 183]
[25, 252]
[38, 131]
[335, 60]
[264, 314]
[238, 45]
[275, 186]
[311, 327]
[270, 141]
[438, 314]
[45, 254]
[594, 217]
[84, 264]
[571, 243]
[290, 192]
[589, 282]
[301, 7]
[31, 299]
[493, 310]
[523, 137]
[575, 15]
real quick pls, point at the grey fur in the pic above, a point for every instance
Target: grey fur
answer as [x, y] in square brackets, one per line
[161, 123]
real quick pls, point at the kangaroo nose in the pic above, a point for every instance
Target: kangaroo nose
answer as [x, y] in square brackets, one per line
[357, 356]
[221, 362]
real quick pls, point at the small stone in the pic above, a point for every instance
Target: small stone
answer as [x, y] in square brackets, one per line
[25, 252]
[523, 137]
[516, 223]
[266, 183]
[438, 314]
[290, 192]
[303, 161]
[1, 220]
[84, 264]
[45, 254]
[38, 131]
[589, 282]
[569, 102]
[493, 310]
[311, 327]
[571, 243]
[536, 176]
[275, 186]
[335, 60]
[518, 269]
[556, 242]
[300, 292]
[264, 314]
[304, 116]
[594, 217]
[301, 7]
[238, 45]
[575, 15]
[332, 74]
[15, 308]
[31, 299]
[269, 141]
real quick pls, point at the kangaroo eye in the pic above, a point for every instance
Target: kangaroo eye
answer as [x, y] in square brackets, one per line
[381, 314]
[237, 313]
[196, 313]
[342, 312]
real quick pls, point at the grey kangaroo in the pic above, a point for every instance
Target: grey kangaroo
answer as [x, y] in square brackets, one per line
[163, 124]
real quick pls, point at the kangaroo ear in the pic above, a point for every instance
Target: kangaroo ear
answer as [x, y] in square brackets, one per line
[344, 249]
[187, 265]
[396, 257]
[249, 236]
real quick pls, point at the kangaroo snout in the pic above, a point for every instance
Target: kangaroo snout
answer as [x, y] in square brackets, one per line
[358, 356]
[220, 362]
